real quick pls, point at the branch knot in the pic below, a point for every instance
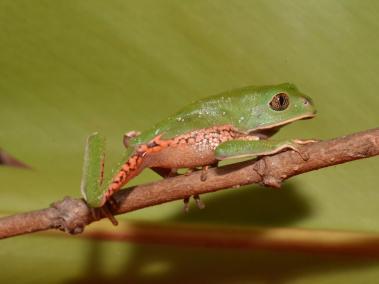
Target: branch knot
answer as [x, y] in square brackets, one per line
[264, 171]
[73, 215]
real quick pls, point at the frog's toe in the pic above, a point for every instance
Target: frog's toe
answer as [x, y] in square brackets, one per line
[200, 204]
[306, 141]
[304, 155]
[186, 204]
[204, 173]
[106, 210]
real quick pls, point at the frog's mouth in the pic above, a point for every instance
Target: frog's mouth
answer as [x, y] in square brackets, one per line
[265, 132]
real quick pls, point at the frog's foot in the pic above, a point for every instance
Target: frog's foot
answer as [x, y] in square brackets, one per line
[204, 171]
[295, 142]
[198, 202]
[186, 204]
[305, 142]
[204, 174]
[110, 206]
[293, 147]
[129, 135]
[104, 211]
[303, 155]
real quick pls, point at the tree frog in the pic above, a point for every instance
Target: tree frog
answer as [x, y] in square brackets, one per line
[232, 124]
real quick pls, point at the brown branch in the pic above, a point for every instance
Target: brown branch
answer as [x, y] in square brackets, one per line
[72, 215]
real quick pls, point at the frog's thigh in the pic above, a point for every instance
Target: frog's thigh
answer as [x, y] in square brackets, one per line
[241, 149]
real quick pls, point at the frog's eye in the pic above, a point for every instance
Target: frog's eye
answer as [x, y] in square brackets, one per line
[280, 102]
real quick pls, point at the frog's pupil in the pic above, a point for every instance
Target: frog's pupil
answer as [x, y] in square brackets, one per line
[279, 102]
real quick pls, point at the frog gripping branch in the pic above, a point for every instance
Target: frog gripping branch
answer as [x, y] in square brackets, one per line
[72, 215]
[232, 124]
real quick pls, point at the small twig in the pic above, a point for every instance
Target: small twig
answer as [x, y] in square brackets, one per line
[7, 159]
[72, 215]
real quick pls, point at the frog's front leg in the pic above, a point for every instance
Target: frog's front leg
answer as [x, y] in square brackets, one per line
[246, 149]
[204, 170]
[203, 177]
[166, 173]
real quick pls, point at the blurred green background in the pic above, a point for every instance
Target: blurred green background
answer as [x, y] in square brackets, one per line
[68, 68]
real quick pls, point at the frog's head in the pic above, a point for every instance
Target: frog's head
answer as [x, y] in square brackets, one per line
[265, 109]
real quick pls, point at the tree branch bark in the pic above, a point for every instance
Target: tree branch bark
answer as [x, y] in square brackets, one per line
[72, 214]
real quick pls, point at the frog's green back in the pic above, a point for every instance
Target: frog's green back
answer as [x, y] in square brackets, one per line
[245, 108]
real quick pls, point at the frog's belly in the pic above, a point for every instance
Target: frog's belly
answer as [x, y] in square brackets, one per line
[181, 156]
[193, 149]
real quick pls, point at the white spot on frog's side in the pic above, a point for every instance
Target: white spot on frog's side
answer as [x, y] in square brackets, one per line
[180, 119]
[202, 145]
[223, 113]
[209, 143]
[241, 119]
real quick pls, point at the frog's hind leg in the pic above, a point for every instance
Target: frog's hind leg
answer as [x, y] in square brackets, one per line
[126, 171]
